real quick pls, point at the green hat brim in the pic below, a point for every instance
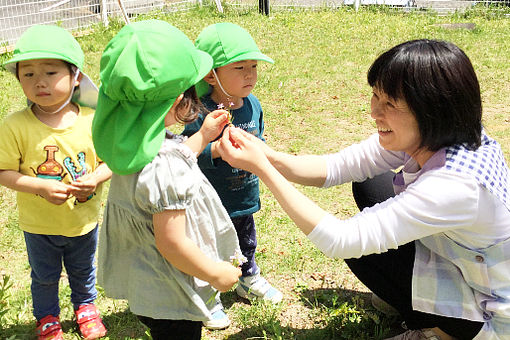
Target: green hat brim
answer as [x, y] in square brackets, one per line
[253, 55]
[10, 65]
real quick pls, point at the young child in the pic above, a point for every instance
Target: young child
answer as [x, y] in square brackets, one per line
[234, 75]
[47, 156]
[166, 239]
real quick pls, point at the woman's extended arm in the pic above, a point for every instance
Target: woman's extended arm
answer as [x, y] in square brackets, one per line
[308, 170]
[305, 213]
[430, 207]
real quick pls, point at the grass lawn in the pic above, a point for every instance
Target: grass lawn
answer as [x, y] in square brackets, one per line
[316, 100]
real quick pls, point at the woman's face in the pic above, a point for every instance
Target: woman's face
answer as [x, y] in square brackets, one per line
[396, 125]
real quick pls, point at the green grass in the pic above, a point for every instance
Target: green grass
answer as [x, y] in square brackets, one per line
[315, 100]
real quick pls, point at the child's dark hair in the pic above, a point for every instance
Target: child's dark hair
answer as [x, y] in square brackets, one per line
[189, 107]
[437, 81]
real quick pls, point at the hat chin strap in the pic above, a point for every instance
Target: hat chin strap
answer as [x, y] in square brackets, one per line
[76, 74]
[219, 83]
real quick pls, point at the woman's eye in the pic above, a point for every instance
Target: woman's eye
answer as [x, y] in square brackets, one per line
[28, 74]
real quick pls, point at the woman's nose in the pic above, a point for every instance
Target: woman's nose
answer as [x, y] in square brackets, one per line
[375, 110]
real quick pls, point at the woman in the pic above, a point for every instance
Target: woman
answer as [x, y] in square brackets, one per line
[439, 250]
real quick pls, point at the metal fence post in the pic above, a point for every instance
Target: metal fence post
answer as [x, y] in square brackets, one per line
[264, 7]
[104, 13]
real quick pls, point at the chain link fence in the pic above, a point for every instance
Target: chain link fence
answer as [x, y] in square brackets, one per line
[77, 15]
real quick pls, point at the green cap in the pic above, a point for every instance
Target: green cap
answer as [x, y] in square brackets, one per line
[53, 42]
[46, 42]
[143, 69]
[227, 43]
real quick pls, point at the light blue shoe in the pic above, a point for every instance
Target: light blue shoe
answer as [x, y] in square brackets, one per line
[256, 287]
[219, 320]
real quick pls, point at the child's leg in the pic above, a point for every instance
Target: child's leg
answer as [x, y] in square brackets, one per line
[252, 284]
[45, 257]
[163, 329]
[246, 232]
[79, 262]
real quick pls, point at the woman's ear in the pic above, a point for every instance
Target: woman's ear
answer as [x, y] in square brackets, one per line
[210, 78]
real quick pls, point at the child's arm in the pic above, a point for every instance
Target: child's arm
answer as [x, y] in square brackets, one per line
[53, 191]
[213, 124]
[86, 185]
[181, 252]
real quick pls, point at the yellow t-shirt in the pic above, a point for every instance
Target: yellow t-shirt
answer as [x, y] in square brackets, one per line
[34, 149]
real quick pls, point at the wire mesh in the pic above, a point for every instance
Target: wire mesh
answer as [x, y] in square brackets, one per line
[17, 15]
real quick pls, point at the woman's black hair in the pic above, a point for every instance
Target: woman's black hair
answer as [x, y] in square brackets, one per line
[437, 81]
[189, 107]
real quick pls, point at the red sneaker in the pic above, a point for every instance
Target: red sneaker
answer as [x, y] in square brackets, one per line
[48, 328]
[89, 320]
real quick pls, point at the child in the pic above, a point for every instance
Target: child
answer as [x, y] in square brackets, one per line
[47, 155]
[165, 235]
[232, 79]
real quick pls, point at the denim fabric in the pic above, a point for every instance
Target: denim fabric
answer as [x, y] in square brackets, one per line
[247, 235]
[46, 253]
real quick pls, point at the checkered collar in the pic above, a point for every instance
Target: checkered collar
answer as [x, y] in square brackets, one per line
[486, 164]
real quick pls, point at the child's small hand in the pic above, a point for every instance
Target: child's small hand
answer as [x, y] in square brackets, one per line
[55, 191]
[84, 186]
[213, 124]
[227, 276]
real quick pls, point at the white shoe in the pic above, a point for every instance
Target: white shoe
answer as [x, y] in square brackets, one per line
[420, 334]
[256, 287]
[219, 320]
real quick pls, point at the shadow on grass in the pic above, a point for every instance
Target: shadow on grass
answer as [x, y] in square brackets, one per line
[345, 314]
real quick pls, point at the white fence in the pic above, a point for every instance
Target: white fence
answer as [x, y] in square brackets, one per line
[76, 15]
[17, 15]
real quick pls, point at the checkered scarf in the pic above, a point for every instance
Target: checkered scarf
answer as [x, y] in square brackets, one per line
[487, 164]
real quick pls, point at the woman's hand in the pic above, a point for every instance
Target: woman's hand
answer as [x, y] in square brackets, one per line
[243, 150]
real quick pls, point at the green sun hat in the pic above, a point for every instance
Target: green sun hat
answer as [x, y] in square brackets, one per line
[53, 42]
[143, 69]
[227, 43]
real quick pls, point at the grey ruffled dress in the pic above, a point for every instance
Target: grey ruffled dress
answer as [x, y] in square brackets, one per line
[131, 267]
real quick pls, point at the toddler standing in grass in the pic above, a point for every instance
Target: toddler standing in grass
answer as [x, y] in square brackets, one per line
[47, 156]
[166, 239]
[233, 77]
